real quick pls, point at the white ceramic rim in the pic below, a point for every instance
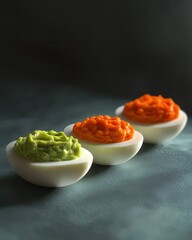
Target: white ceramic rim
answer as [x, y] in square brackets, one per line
[138, 137]
[182, 117]
[81, 159]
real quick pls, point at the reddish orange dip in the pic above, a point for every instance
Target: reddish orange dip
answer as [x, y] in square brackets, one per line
[103, 129]
[151, 109]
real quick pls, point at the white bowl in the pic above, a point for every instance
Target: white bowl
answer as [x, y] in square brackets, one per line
[110, 153]
[159, 132]
[50, 174]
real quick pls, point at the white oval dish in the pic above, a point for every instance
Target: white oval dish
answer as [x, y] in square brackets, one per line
[110, 153]
[50, 174]
[159, 132]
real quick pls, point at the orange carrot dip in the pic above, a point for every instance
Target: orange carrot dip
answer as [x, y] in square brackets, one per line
[103, 129]
[151, 109]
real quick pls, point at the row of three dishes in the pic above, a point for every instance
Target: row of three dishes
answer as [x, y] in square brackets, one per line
[68, 155]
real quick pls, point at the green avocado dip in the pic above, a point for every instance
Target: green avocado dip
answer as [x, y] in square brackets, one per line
[48, 146]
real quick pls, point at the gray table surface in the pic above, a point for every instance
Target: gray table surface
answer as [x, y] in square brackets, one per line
[146, 198]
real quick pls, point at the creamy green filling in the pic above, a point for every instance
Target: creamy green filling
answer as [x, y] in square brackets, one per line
[48, 146]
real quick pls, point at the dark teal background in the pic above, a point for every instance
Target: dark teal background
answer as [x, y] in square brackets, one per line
[146, 198]
[120, 47]
[62, 61]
